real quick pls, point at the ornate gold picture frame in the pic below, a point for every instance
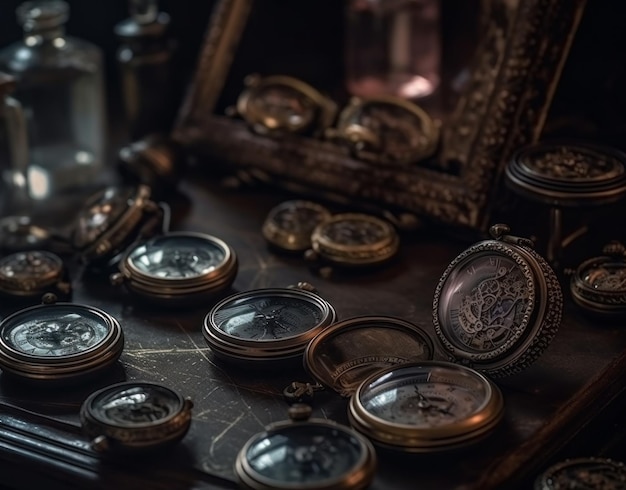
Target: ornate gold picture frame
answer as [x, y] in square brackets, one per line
[513, 74]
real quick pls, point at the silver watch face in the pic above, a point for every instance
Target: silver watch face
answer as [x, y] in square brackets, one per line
[99, 213]
[28, 269]
[177, 257]
[134, 405]
[267, 317]
[57, 331]
[304, 454]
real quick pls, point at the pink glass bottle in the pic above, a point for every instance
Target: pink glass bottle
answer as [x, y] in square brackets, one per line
[393, 47]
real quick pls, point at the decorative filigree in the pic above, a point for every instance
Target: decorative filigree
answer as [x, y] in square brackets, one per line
[569, 163]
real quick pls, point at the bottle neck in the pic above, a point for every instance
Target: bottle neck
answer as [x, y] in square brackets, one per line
[40, 35]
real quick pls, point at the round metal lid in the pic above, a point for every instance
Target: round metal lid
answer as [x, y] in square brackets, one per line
[346, 353]
[135, 416]
[497, 305]
[266, 324]
[61, 341]
[599, 284]
[568, 174]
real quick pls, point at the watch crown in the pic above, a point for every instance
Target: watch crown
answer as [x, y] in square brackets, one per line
[300, 412]
[499, 230]
[614, 249]
[100, 444]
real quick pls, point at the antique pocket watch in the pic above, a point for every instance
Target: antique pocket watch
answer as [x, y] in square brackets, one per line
[352, 240]
[63, 342]
[496, 307]
[178, 268]
[135, 416]
[598, 285]
[280, 104]
[32, 274]
[266, 327]
[386, 129]
[112, 219]
[289, 225]
[315, 454]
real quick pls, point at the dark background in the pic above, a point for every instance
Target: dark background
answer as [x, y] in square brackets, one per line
[590, 102]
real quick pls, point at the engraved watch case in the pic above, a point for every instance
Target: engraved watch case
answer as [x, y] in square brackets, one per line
[112, 219]
[585, 472]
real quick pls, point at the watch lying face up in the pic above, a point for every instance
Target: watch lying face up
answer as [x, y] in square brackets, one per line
[63, 342]
[135, 416]
[178, 268]
[266, 327]
[316, 454]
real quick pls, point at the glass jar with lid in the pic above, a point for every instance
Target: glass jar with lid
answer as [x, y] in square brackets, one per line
[61, 88]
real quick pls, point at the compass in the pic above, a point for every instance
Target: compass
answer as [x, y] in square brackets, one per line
[59, 342]
[31, 274]
[289, 225]
[315, 454]
[135, 416]
[112, 219]
[352, 240]
[178, 268]
[266, 327]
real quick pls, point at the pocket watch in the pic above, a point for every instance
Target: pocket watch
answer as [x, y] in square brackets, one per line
[266, 327]
[599, 284]
[586, 472]
[352, 240]
[135, 416]
[400, 398]
[426, 406]
[112, 219]
[386, 129]
[315, 454]
[177, 268]
[59, 342]
[31, 274]
[289, 225]
[281, 104]
[497, 305]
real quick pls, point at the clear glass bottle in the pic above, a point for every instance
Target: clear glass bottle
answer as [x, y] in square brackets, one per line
[61, 88]
[14, 195]
[393, 47]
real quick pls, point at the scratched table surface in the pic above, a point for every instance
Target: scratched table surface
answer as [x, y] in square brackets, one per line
[40, 429]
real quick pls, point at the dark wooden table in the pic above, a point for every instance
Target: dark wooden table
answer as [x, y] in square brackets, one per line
[549, 407]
